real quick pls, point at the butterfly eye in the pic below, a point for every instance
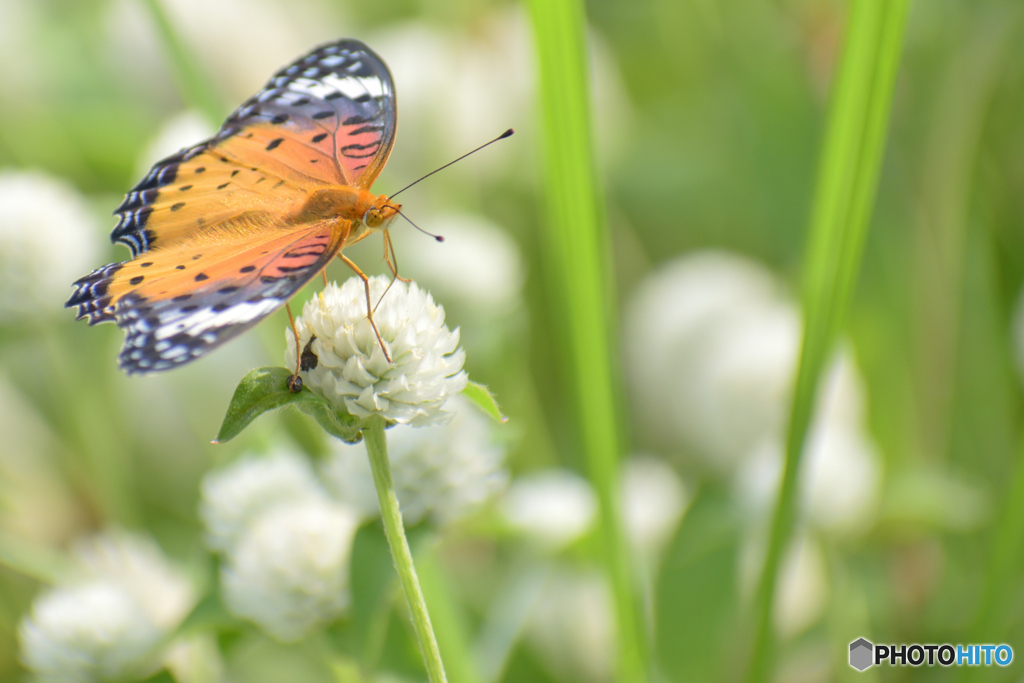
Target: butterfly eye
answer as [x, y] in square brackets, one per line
[372, 218]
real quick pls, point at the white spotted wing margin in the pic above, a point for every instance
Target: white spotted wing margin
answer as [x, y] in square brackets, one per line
[162, 333]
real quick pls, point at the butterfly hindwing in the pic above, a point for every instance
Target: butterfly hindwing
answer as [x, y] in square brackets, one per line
[327, 119]
[177, 303]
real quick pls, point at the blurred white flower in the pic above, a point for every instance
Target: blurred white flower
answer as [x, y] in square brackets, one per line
[234, 496]
[712, 343]
[802, 587]
[110, 618]
[93, 631]
[182, 130]
[555, 507]
[572, 625]
[286, 544]
[49, 237]
[444, 472]
[140, 568]
[352, 371]
[478, 264]
[289, 572]
[653, 502]
[222, 35]
[841, 474]
[488, 75]
[35, 500]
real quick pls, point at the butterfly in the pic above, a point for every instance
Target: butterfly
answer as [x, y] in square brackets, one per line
[224, 233]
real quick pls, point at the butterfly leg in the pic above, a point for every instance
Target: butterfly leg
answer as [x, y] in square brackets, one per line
[294, 382]
[369, 305]
[391, 257]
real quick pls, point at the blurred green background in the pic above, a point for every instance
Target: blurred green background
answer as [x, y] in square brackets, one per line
[709, 116]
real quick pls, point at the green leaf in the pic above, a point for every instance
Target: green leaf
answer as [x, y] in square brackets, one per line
[484, 399]
[266, 389]
[844, 199]
[698, 576]
[577, 243]
[373, 592]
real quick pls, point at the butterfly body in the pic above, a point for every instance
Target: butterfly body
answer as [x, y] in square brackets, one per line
[366, 210]
[225, 232]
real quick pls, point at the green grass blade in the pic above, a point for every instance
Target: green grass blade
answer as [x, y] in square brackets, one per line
[195, 88]
[576, 260]
[844, 199]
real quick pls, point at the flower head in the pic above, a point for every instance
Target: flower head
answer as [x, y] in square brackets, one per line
[110, 618]
[351, 370]
[571, 626]
[233, 497]
[443, 471]
[289, 572]
[286, 544]
[555, 506]
[712, 347]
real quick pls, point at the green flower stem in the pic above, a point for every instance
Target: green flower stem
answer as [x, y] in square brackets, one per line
[844, 198]
[578, 265]
[376, 446]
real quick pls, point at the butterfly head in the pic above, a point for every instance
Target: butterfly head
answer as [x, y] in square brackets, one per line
[380, 214]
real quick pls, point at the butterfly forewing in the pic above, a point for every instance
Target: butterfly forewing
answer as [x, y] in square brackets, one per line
[327, 119]
[216, 230]
[338, 101]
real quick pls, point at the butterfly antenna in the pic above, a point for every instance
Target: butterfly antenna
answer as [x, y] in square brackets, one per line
[439, 238]
[507, 133]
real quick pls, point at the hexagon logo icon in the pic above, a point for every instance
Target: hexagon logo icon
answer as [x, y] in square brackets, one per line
[861, 652]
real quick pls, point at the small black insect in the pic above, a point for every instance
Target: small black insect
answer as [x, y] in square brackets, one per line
[308, 360]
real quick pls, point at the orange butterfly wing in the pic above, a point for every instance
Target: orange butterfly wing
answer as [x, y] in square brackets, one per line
[214, 247]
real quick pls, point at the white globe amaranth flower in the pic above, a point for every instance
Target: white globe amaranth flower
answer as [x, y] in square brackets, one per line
[840, 479]
[444, 472]
[572, 625]
[352, 371]
[554, 507]
[95, 631]
[803, 588]
[110, 618]
[235, 495]
[49, 236]
[653, 502]
[712, 343]
[289, 572]
[138, 566]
